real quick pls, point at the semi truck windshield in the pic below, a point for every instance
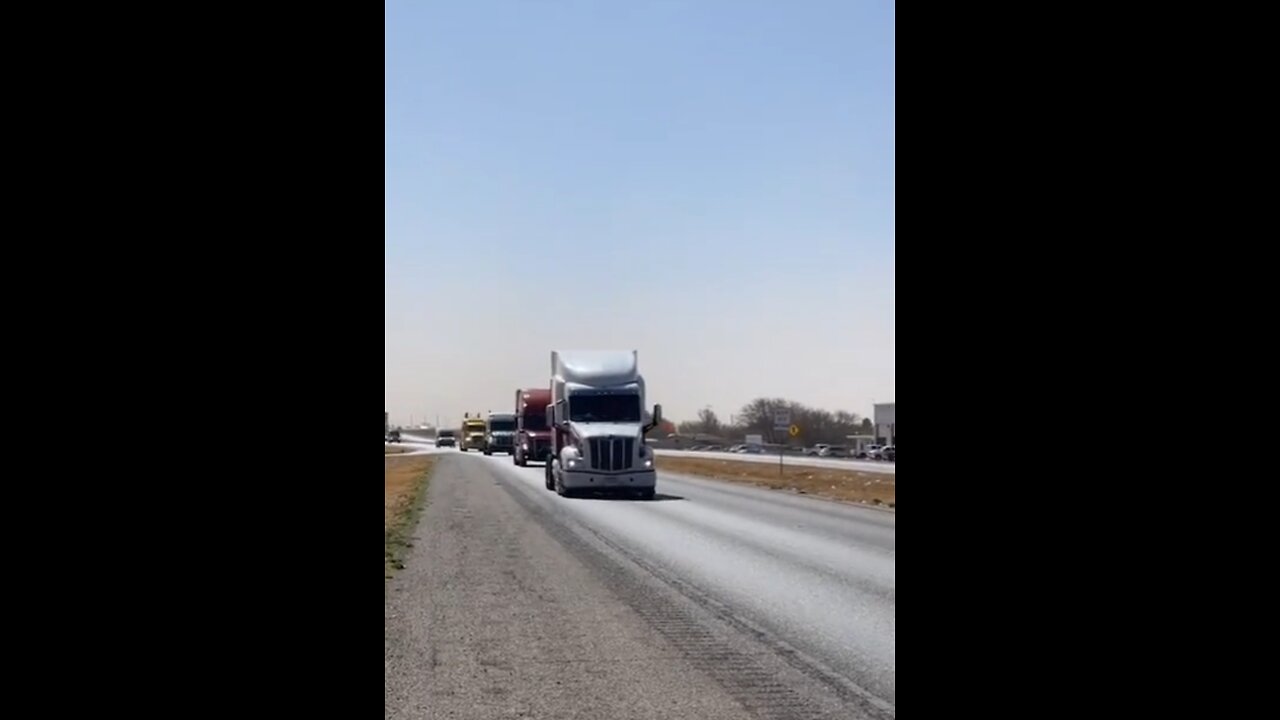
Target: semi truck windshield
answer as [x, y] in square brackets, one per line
[604, 408]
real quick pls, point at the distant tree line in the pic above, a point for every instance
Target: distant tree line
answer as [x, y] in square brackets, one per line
[756, 418]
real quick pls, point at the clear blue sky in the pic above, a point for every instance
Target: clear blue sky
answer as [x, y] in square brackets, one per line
[711, 182]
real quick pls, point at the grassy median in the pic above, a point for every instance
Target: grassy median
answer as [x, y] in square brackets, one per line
[404, 484]
[393, 450]
[878, 489]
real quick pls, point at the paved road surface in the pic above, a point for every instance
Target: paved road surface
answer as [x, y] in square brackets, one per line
[713, 601]
[864, 465]
[415, 446]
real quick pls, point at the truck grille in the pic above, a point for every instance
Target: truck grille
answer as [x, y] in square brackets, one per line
[612, 453]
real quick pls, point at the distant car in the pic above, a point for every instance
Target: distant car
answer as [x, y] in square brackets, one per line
[446, 438]
[833, 451]
[889, 452]
[393, 436]
[816, 449]
[873, 451]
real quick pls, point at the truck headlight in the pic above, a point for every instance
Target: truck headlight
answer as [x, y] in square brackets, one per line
[524, 446]
[648, 463]
[570, 457]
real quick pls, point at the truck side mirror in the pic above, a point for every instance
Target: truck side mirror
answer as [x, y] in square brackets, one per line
[556, 412]
[657, 415]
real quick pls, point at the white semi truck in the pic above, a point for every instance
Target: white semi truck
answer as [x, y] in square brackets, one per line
[598, 424]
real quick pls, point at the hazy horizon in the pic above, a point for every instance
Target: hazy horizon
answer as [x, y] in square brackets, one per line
[711, 184]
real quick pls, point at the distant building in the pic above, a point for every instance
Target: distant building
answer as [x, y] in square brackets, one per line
[886, 423]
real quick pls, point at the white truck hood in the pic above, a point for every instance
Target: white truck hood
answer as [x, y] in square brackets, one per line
[587, 431]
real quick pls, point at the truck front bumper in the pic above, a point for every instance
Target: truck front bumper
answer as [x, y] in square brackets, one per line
[594, 480]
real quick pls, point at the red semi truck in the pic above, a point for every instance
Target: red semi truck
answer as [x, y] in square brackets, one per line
[533, 436]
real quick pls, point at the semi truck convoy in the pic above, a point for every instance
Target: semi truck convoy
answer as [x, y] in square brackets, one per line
[472, 433]
[533, 437]
[598, 424]
[502, 434]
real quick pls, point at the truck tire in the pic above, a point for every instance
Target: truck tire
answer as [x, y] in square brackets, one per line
[549, 477]
[488, 453]
[560, 489]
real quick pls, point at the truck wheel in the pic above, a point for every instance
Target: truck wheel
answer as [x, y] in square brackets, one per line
[561, 490]
[549, 479]
[488, 454]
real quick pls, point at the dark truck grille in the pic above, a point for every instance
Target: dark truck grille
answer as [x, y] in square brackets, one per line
[612, 453]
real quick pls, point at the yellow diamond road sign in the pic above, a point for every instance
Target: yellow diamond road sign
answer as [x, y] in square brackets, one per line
[795, 430]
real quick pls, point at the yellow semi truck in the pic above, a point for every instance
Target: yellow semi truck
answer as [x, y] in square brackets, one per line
[472, 434]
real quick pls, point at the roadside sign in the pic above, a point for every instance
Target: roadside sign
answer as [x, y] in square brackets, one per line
[782, 424]
[795, 430]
